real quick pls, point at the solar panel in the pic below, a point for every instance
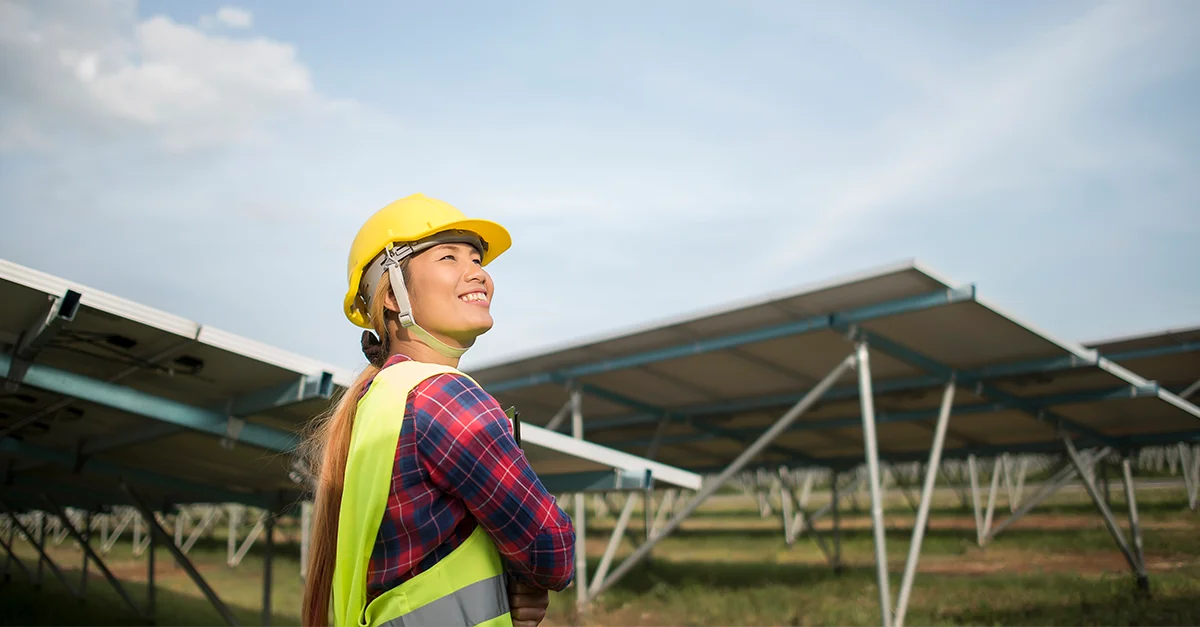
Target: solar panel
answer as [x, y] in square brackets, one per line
[717, 380]
[98, 388]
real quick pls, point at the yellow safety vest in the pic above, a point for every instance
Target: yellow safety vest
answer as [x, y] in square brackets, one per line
[467, 587]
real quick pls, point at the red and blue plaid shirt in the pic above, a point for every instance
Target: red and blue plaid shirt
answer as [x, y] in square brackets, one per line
[458, 465]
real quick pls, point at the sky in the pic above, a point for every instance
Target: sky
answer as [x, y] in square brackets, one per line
[650, 159]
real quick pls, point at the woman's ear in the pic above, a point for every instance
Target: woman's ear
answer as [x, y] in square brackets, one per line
[389, 301]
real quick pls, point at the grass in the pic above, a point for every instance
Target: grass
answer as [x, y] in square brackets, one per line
[730, 566]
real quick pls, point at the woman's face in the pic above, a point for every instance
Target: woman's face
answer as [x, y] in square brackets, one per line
[451, 293]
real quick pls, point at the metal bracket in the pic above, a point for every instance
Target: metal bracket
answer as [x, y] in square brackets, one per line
[233, 429]
[62, 309]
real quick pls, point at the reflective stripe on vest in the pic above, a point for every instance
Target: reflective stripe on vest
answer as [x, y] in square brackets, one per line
[465, 588]
[475, 604]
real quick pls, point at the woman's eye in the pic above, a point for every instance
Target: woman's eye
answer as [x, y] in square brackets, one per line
[450, 257]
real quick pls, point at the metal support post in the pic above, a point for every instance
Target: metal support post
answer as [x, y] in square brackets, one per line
[1104, 483]
[991, 503]
[40, 549]
[786, 511]
[1135, 529]
[1190, 461]
[664, 508]
[1014, 498]
[305, 536]
[152, 542]
[182, 559]
[868, 416]
[1194, 496]
[235, 520]
[41, 546]
[973, 471]
[581, 578]
[1089, 483]
[87, 549]
[837, 523]
[648, 510]
[86, 538]
[935, 459]
[268, 554]
[736, 466]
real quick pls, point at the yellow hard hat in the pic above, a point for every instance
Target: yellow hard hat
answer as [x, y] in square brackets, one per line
[408, 221]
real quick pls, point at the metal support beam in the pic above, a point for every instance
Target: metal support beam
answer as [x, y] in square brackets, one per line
[911, 384]
[736, 466]
[816, 323]
[561, 414]
[40, 549]
[918, 533]
[1135, 529]
[614, 541]
[867, 400]
[304, 388]
[910, 356]
[180, 558]
[137, 402]
[1089, 483]
[60, 312]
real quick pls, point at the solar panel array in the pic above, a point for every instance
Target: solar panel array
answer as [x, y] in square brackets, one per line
[98, 389]
[707, 385]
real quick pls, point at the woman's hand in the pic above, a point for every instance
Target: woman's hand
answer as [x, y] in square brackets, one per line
[527, 604]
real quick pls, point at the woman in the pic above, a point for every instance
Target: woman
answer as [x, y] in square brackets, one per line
[426, 510]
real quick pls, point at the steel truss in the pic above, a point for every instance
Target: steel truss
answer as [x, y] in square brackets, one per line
[791, 490]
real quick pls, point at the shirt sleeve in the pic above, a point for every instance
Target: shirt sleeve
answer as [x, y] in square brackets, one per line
[467, 446]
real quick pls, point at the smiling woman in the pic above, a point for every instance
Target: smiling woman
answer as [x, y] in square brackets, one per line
[427, 512]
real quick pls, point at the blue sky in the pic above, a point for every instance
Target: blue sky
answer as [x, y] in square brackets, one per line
[214, 160]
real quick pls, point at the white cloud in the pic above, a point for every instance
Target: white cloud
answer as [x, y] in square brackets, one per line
[103, 73]
[235, 17]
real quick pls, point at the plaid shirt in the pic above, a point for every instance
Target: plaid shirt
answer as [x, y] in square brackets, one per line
[458, 465]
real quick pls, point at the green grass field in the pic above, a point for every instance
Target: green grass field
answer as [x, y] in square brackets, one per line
[729, 566]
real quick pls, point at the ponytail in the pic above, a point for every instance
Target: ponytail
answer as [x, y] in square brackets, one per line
[325, 451]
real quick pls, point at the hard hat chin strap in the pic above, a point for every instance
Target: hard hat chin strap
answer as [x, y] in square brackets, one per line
[408, 322]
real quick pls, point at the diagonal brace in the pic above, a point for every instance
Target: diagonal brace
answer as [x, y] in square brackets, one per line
[91, 553]
[41, 551]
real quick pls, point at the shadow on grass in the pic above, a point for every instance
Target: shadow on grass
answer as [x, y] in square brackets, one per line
[751, 593]
[1168, 506]
[51, 603]
[1117, 609]
[732, 575]
[955, 541]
